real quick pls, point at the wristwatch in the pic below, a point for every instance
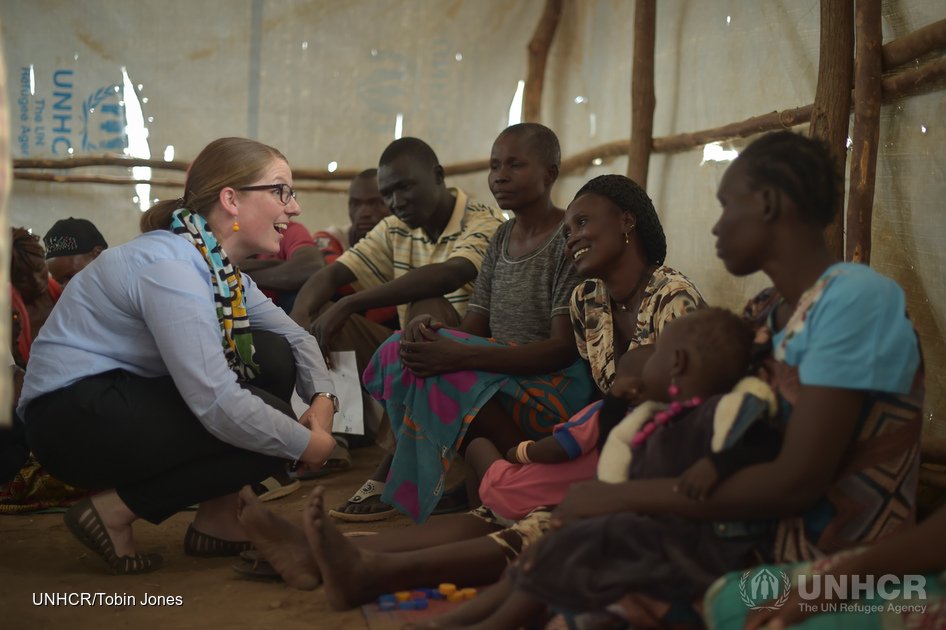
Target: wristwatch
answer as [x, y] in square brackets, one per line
[331, 397]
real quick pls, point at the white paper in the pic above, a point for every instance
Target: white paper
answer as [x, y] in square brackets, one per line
[351, 415]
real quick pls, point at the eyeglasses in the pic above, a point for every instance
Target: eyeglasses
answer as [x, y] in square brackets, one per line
[285, 191]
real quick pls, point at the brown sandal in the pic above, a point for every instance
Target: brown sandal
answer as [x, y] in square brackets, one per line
[203, 545]
[84, 522]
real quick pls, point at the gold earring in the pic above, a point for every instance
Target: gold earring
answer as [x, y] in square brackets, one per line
[627, 238]
[236, 226]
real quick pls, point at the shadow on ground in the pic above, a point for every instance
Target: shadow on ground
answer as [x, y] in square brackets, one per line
[39, 556]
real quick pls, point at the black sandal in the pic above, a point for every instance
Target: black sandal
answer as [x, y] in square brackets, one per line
[257, 569]
[84, 522]
[203, 545]
[253, 566]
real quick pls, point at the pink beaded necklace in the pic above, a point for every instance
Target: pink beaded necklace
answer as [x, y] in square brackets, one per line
[662, 418]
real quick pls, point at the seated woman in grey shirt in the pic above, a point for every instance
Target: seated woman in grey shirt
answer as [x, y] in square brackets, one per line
[163, 376]
[514, 351]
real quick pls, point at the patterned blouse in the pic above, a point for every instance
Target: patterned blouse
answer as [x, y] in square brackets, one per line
[668, 295]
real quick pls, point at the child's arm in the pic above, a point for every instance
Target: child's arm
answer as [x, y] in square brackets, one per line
[760, 443]
[629, 388]
[570, 440]
[699, 480]
[545, 451]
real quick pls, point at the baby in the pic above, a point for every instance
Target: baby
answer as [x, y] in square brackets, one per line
[703, 420]
[709, 419]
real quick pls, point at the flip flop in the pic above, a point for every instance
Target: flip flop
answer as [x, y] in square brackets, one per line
[338, 461]
[253, 566]
[84, 522]
[262, 571]
[452, 501]
[370, 489]
[275, 487]
[258, 569]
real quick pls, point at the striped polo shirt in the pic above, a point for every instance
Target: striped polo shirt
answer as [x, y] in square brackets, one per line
[392, 248]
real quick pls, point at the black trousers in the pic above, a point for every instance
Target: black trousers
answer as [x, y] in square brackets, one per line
[135, 434]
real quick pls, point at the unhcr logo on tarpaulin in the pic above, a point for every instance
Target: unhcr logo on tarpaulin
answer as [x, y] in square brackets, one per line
[769, 588]
[764, 588]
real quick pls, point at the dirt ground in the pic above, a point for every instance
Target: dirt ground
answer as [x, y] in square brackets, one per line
[39, 556]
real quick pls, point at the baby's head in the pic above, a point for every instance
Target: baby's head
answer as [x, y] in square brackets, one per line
[703, 353]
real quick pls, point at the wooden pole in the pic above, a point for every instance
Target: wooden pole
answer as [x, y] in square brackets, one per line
[99, 160]
[868, 67]
[94, 179]
[913, 79]
[6, 378]
[784, 119]
[126, 181]
[684, 141]
[643, 100]
[894, 86]
[915, 44]
[538, 57]
[831, 115]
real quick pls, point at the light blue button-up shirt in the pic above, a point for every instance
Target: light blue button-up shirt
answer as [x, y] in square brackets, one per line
[147, 307]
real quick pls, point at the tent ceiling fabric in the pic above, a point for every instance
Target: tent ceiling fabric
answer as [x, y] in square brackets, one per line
[328, 82]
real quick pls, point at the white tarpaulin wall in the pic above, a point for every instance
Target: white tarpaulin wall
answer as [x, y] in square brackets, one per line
[332, 82]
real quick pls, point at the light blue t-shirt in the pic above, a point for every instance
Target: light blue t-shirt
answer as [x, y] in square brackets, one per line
[147, 307]
[856, 335]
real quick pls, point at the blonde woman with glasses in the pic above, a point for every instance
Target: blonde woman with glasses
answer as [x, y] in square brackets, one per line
[163, 377]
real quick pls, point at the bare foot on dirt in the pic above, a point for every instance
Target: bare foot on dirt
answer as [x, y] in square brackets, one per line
[280, 542]
[349, 573]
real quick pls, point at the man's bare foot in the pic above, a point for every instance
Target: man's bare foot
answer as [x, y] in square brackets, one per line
[280, 542]
[348, 572]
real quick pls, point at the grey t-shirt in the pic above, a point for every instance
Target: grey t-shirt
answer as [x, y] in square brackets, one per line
[521, 295]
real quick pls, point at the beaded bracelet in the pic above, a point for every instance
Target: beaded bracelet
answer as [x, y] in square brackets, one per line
[522, 453]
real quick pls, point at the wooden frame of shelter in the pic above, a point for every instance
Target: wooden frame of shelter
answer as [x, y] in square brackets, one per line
[828, 115]
[851, 54]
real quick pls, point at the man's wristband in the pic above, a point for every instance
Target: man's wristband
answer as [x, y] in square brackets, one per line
[331, 397]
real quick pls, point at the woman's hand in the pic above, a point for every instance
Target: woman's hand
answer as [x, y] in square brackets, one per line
[319, 416]
[585, 500]
[318, 419]
[414, 331]
[435, 355]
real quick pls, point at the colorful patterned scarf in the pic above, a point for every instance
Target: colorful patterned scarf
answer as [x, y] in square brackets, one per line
[228, 292]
